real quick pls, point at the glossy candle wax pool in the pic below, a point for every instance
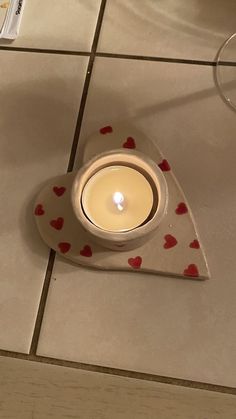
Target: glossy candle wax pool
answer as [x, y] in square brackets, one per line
[117, 198]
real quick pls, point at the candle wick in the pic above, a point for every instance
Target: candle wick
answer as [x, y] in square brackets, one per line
[120, 207]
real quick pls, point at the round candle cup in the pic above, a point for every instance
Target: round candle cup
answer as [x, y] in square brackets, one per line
[117, 198]
[120, 198]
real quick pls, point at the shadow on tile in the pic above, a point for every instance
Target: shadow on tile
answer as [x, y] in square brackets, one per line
[36, 125]
[204, 19]
[207, 148]
[37, 131]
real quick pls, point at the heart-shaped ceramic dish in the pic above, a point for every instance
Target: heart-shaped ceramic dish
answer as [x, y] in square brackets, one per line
[174, 249]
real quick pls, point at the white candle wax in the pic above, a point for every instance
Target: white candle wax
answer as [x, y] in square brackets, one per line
[117, 198]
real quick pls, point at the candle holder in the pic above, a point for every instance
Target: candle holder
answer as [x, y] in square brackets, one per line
[161, 241]
[125, 240]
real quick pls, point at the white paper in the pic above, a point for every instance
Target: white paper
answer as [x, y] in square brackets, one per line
[12, 19]
[4, 5]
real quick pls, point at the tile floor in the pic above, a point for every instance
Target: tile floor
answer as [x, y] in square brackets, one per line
[191, 29]
[140, 322]
[39, 104]
[61, 25]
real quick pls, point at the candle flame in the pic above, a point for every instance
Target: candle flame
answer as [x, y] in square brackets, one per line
[118, 199]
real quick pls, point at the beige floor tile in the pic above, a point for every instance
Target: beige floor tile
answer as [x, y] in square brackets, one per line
[58, 24]
[39, 100]
[31, 390]
[169, 28]
[143, 322]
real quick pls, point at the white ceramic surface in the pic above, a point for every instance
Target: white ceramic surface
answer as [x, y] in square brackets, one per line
[190, 29]
[141, 322]
[38, 105]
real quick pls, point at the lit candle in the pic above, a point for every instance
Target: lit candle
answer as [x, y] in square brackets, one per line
[117, 198]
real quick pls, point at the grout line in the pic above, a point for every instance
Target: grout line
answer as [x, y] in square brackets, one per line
[114, 55]
[226, 63]
[86, 88]
[153, 58]
[42, 303]
[43, 299]
[197, 385]
[44, 51]
[166, 59]
[80, 115]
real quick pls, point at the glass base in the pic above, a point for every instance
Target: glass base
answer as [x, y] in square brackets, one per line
[226, 70]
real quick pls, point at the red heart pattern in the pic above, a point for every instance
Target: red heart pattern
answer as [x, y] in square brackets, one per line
[170, 241]
[164, 166]
[191, 270]
[106, 130]
[136, 262]
[39, 210]
[58, 223]
[195, 244]
[181, 208]
[59, 190]
[86, 252]
[129, 143]
[64, 247]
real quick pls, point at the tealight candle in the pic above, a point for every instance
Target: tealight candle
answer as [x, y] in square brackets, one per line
[117, 198]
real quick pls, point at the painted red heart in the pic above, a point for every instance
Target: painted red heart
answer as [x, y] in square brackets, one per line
[106, 130]
[64, 247]
[191, 270]
[86, 252]
[129, 143]
[58, 223]
[164, 166]
[181, 208]
[39, 210]
[59, 190]
[136, 262]
[195, 244]
[170, 241]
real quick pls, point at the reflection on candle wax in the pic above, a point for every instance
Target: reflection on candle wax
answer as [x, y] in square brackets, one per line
[118, 199]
